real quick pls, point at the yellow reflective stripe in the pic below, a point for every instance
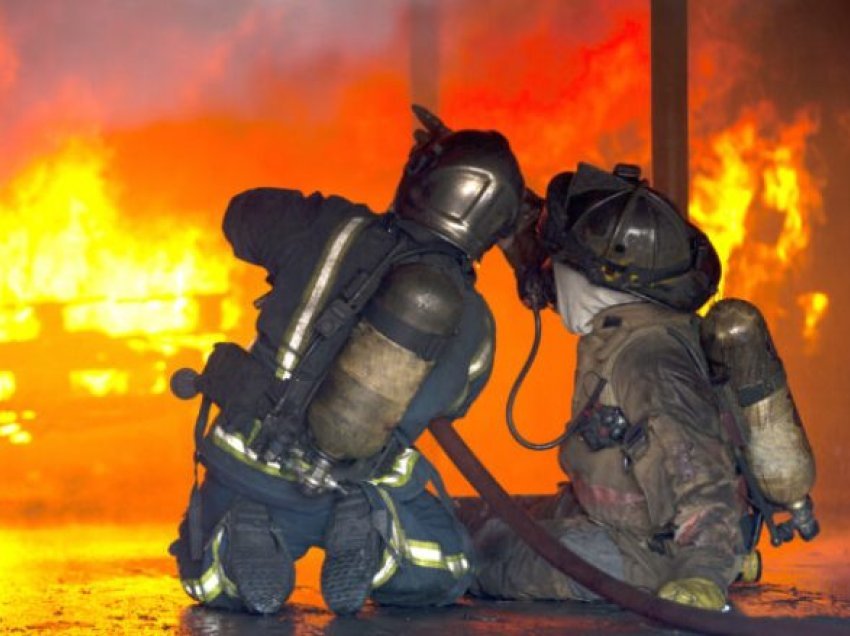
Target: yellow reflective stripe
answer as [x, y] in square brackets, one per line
[234, 445]
[385, 572]
[212, 582]
[389, 564]
[401, 470]
[396, 533]
[228, 585]
[255, 430]
[429, 555]
[458, 564]
[315, 296]
[426, 554]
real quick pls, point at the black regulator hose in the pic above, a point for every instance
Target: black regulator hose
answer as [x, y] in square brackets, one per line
[509, 410]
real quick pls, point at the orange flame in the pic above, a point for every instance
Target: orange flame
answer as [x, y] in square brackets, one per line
[754, 196]
[814, 306]
[65, 240]
[100, 382]
[7, 385]
[12, 429]
[115, 262]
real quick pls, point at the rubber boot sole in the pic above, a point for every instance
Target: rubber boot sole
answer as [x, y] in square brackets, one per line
[258, 562]
[353, 549]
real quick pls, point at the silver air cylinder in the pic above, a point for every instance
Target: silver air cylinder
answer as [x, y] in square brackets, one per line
[740, 349]
[387, 357]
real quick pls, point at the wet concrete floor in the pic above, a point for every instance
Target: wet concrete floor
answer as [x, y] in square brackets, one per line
[97, 579]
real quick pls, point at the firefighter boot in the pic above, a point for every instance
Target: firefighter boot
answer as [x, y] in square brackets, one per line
[258, 560]
[353, 549]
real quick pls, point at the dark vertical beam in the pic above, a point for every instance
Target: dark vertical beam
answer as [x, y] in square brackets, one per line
[424, 54]
[669, 51]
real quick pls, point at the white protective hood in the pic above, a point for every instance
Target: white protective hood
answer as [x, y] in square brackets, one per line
[579, 300]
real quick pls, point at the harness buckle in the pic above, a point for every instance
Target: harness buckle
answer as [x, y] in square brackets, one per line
[337, 314]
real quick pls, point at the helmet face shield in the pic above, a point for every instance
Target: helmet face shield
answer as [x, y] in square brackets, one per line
[465, 186]
[623, 235]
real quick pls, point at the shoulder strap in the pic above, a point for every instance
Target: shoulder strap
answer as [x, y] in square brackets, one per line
[697, 354]
[335, 321]
[342, 311]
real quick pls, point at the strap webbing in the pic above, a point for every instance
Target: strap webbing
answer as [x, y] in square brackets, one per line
[196, 548]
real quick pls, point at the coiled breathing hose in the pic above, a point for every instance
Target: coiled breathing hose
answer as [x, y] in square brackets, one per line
[509, 409]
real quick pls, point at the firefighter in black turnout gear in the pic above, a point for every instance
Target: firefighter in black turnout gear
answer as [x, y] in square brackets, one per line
[372, 328]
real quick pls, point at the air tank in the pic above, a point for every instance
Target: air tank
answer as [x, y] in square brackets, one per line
[740, 350]
[386, 359]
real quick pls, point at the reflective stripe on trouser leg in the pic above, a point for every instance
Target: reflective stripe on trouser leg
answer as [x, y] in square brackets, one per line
[213, 582]
[423, 563]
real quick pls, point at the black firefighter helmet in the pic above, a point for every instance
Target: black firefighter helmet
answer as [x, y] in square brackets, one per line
[622, 234]
[463, 185]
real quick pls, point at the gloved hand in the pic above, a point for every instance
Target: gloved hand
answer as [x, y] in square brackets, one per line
[697, 592]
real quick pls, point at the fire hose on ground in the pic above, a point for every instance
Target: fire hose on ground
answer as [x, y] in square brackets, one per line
[606, 586]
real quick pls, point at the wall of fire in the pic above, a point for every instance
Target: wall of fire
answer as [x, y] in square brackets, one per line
[126, 126]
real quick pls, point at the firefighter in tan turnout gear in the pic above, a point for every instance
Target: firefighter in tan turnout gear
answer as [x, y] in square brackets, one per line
[653, 497]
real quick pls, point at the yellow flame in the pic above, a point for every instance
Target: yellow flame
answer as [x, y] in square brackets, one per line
[814, 306]
[723, 189]
[7, 385]
[9, 429]
[756, 199]
[120, 318]
[160, 384]
[231, 312]
[20, 438]
[18, 324]
[65, 239]
[100, 382]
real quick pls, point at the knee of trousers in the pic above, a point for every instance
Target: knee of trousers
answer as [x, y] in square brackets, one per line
[511, 569]
[421, 564]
